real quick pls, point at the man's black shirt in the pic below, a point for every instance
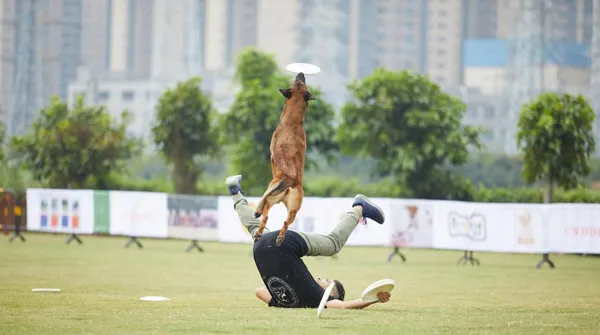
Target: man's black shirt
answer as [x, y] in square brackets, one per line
[284, 273]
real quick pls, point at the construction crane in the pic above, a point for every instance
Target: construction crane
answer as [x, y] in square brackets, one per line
[28, 66]
[532, 43]
[595, 68]
[194, 36]
[523, 75]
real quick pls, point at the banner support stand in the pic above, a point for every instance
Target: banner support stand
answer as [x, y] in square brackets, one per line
[17, 233]
[468, 258]
[133, 239]
[396, 252]
[545, 259]
[194, 245]
[73, 237]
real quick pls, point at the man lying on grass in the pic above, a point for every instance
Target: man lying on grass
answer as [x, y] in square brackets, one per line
[288, 283]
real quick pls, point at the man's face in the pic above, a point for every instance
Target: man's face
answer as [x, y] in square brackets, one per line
[324, 283]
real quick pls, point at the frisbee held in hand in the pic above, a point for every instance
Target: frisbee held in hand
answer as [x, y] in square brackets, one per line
[384, 285]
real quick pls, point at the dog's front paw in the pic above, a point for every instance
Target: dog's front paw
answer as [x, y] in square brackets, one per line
[279, 240]
[257, 237]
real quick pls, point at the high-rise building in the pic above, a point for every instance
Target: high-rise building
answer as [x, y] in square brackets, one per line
[46, 36]
[421, 35]
[7, 57]
[481, 19]
[95, 35]
[566, 20]
[539, 45]
[445, 26]
[117, 37]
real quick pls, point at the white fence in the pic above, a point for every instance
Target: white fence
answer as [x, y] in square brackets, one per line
[410, 223]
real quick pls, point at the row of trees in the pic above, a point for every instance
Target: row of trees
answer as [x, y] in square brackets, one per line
[402, 122]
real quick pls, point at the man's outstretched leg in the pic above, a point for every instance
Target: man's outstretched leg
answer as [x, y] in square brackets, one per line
[332, 243]
[240, 204]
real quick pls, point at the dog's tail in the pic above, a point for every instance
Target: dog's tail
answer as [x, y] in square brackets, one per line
[276, 189]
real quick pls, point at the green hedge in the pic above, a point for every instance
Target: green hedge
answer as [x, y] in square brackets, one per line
[534, 195]
[335, 187]
[332, 187]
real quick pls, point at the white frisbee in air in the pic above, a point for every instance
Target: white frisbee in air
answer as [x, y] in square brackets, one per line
[45, 290]
[384, 285]
[153, 298]
[324, 299]
[303, 67]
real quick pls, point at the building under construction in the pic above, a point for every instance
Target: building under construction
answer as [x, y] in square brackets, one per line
[40, 52]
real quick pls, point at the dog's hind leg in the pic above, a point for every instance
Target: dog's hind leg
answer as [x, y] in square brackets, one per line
[293, 202]
[276, 186]
[263, 222]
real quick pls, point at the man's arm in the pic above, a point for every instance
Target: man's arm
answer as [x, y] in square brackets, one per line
[263, 294]
[352, 304]
[358, 303]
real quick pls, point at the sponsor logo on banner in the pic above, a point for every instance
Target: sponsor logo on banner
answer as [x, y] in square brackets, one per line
[417, 232]
[582, 231]
[59, 212]
[574, 228]
[583, 235]
[525, 234]
[471, 227]
[140, 214]
[193, 217]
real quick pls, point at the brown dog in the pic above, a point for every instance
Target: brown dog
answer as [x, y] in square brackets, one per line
[288, 149]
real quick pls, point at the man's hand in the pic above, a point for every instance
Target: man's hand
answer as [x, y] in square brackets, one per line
[383, 296]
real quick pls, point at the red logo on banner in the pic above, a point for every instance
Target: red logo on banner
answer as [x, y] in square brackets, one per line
[583, 231]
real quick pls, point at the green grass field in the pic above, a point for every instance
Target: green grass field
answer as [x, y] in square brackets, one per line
[213, 293]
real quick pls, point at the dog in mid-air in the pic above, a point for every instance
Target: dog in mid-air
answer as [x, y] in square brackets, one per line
[288, 149]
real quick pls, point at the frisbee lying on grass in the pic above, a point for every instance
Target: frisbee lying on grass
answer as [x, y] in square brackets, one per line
[384, 285]
[153, 298]
[45, 290]
[324, 299]
[303, 67]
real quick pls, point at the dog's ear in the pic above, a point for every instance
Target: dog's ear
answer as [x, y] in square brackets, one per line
[308, 96]
[286, 92]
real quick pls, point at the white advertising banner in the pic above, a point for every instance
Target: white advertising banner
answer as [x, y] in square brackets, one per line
[489, 227]
[317, 215]
[193, 217]
[60, 211]
[411, 223]
[308, 219]
[140, 214]
[333, 211]
[574, 228]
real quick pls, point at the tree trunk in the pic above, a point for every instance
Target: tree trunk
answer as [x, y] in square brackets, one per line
[184, 177]
[549, 193]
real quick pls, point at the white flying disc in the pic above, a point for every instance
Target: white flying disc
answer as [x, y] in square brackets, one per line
[303, 67]
[45, 290]
[324, 299]
[152, 298]
[384, 285]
